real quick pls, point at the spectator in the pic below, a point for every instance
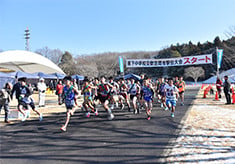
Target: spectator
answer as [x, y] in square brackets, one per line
[41, 92]
[227, 86]
[16, 89]
[59, 91]
[219, 84]
[5, 100]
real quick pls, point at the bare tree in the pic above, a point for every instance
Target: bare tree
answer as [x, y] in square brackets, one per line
[53, 54]
[194, 72]
[231, 32]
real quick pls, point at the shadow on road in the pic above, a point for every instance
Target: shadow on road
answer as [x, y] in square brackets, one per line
[127, 139]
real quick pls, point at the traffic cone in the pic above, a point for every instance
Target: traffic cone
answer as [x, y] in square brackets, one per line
[216, 96]
[233, 96]
[205, 92]
[202, 86]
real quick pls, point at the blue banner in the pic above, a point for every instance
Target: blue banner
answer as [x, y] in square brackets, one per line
[219, 57]
[121, 64]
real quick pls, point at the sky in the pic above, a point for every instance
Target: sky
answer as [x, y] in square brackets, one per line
[96, 26]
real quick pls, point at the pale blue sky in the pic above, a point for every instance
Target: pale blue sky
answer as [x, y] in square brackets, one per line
[95, 26]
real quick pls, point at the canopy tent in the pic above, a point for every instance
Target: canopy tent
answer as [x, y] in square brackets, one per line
[232, 79]
[211, 80]
[2, 74]
[78, 77]
[128, 76]
[26, 61]
[4, 78]
[230, 73]
[45, 76]
[20, 74]
[131, 75]
[58, 75]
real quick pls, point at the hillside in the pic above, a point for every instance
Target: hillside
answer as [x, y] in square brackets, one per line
[107, 63]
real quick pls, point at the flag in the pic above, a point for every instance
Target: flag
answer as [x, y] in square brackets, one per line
[219, 57]
[121, 64]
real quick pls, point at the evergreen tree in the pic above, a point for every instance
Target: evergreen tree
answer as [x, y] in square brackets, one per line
[67, 64]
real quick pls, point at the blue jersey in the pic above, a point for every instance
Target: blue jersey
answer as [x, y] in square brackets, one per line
[69, 94]
[147, 93]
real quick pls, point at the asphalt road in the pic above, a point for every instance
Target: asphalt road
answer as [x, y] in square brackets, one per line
[126, 139]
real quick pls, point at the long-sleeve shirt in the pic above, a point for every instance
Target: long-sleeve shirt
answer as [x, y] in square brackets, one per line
[227, 86]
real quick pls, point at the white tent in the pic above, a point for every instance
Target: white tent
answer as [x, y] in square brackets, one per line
[230, 73]
[26, 61]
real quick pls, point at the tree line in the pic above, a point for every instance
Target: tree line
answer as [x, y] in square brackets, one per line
[107, 63]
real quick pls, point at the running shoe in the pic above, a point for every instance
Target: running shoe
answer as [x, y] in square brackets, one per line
[117, 104]
[63, 128]
[88, 114]
[96, 113]
[40, 117]
[122, 106]
[135, 111]
[166, 108]
[72, 112]
[24, 117]
[172, 115]
[7, 121]
[112, 107]
[110, 117]
[148, 118]
[27, 113]
[161, 105]
[182, 104]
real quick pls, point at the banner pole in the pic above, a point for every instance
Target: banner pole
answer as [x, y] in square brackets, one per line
[217, 65]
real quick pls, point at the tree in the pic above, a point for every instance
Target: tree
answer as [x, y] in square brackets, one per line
[231, 32]
[52, 54]
[175, 54]
[67, 64]
[194, 72]
[217, 42]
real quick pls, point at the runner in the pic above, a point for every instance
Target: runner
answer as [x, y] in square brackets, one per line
[69, 100]
[87, 94]
[181, 90]
[148, 97]
[113, 92]
[171, 93]
[124, 95]
[161, 93]
[26, 100]
[176, 82]
[134, 90]
[104, 96]
[140, 98]
[157, 93]
[95, 93]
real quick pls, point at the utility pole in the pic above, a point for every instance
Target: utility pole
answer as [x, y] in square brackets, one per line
[27, 37]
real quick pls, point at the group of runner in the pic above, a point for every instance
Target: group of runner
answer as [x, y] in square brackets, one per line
[136, 94]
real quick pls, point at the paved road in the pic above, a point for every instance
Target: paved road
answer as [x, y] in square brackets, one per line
[126, 139]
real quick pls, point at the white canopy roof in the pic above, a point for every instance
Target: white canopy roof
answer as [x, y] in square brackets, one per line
[26, 61]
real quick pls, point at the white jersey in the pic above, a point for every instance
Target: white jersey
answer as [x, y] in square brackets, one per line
[170, 91]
